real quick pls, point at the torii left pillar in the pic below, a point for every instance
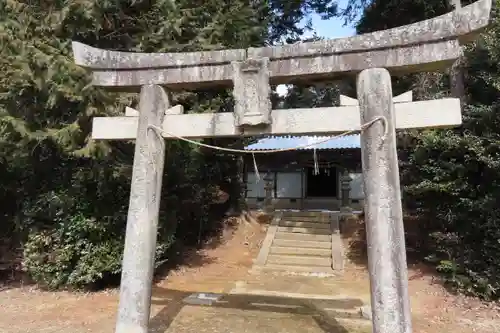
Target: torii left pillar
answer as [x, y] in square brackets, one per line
[143, 212]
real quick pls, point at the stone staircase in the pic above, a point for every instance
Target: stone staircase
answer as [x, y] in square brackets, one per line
[302, 242]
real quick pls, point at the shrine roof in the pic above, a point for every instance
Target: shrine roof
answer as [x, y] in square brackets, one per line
[283, 142]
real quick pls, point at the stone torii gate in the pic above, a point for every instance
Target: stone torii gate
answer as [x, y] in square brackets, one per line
[424, 46]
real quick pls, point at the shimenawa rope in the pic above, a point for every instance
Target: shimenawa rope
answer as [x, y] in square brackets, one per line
[158, 131]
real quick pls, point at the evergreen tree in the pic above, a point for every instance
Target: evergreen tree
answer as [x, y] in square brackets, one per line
[64, 196]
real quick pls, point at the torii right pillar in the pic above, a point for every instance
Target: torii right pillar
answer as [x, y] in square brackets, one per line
[391, 312]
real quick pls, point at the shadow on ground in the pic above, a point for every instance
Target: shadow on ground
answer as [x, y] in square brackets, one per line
[324, 312]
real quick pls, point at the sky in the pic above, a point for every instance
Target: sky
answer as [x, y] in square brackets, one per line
[333, 28]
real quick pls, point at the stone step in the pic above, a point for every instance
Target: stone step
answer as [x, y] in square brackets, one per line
[340, 307]
[247, 288]
[295, 269]
[303, 237]
[299, 260]
[299, 224]
[304, 213]
[301, 251]
[312, 231]
[313, 219]
[303, 243]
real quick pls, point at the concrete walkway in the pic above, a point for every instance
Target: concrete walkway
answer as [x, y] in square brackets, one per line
[249, 309]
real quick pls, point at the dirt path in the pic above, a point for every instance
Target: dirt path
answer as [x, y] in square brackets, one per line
[218, 270]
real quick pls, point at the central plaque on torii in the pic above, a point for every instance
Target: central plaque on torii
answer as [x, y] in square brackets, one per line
[430, 45]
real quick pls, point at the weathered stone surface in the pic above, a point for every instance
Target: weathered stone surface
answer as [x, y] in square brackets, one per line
[366, 312]
[402, 98]
[130, 112]
[419, 114]
[423, 46]
[383, 211]
[91, 57]
[142, 220]
[178, 77]
[252, 92]
[177, 109]
[424, 57]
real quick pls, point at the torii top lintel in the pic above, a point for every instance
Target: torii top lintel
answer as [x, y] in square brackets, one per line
[428, 45]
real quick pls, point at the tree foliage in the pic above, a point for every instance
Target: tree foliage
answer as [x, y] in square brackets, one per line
[65, 197]
[451, 177]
